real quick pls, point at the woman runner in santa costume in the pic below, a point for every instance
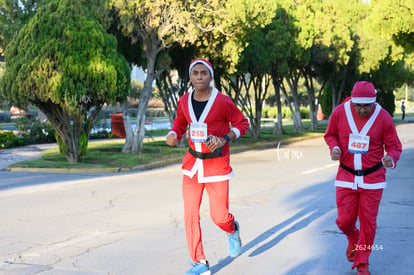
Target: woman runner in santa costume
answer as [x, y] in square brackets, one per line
[358, 132]
[206, 165]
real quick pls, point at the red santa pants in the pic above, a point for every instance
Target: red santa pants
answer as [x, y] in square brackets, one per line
[218, 194]
[362, 204]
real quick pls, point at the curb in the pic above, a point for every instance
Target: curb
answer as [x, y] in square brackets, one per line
[158, 164]
[64, 170]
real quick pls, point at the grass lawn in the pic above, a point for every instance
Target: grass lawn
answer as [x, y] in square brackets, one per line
[108, 153]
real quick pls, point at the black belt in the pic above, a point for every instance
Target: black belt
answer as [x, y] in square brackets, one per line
[362, 172]
[210, 155]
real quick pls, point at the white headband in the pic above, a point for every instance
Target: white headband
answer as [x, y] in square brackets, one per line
[204, 62]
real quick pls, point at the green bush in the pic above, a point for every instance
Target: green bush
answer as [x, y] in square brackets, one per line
[155, 112]
[387, 101]
[83, 144]
[265, 112]
[272, 113]
[8, 139]
[326, 102]
[269, 112]
[99, 135]
[305, 112]
[286, 113]
[34, 131]
[63, 147]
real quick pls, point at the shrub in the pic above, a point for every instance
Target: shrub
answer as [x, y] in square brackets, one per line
[34, 131]
[99, 135]
[269, 112]
[8, 139]
[286, 112]
[387, 101]
[272, 113]
[305, 112]
[155, 112]
[326, 102]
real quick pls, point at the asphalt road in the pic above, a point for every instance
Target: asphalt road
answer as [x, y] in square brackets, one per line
[131, 223]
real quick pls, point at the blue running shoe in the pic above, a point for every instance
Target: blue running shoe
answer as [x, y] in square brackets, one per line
[235, 244]
[198, 269]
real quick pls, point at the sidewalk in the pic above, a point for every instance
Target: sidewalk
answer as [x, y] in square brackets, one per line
[17, 154]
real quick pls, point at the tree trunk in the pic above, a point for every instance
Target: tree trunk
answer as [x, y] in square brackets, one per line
[139, 133]
[68, 134]
[278, 129]
[129, 133]
[313, 108]
[297, 119]
[297, 123]
[170, 94]
[72, 153]
[314, 118]
[276, 80]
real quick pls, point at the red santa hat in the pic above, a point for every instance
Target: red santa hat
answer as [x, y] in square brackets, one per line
[363, 93]
[204, 62]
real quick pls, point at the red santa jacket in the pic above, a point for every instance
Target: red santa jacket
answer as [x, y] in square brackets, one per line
[217, 114]
[380, 129]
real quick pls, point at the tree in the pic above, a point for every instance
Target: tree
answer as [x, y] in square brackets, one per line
[394, 20]
[281, 34]
[387, 78]
[13, 15]
[306, 12]
[156, 25]
[66, 64]
[171, 89]
[335, 51]
[388, 31]
[255, 65]
[242, 56]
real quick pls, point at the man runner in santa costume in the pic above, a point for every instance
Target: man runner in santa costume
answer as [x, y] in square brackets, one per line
[358, 132]
[206, 165]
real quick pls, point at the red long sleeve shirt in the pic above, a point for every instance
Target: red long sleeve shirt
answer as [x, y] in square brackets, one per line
[383, 136]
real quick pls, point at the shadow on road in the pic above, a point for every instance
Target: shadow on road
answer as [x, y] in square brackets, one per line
[312, 210]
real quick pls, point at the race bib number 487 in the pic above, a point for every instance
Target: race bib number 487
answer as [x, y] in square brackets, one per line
[358, 144]
[198, 132]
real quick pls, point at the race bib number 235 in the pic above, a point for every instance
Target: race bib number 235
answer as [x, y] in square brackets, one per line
[198, 132]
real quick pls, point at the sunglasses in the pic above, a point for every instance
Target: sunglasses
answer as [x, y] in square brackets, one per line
[363, 106]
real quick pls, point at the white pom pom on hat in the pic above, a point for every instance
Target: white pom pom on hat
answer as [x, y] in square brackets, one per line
[363, 93]
[204, 62]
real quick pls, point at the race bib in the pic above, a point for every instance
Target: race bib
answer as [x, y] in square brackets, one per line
[358, 144]
[198, 132]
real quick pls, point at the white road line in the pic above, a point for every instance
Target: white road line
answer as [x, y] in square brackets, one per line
[320, 168]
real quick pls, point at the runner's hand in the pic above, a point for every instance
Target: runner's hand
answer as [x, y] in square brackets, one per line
[336, 153]
[214, 142]
[388, 162]
[171, 139]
